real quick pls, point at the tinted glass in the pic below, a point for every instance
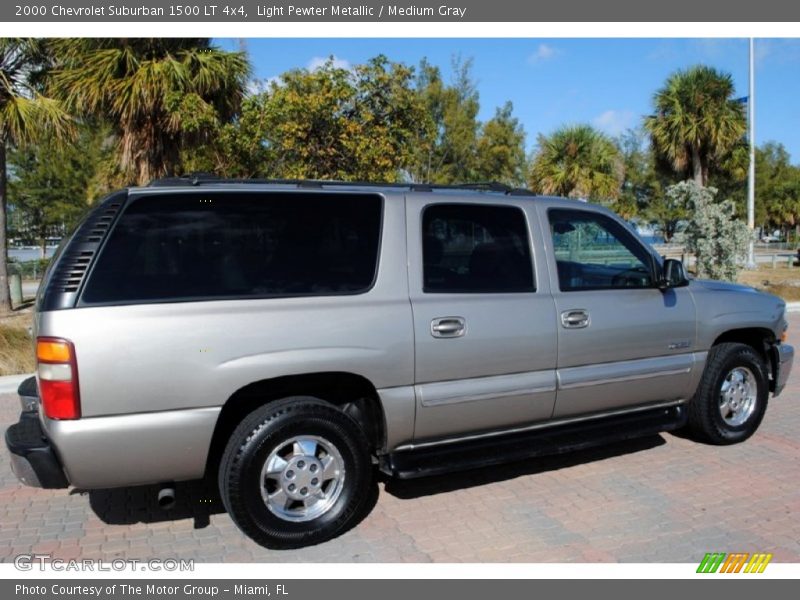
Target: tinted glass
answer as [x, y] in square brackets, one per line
[595, 252]
[473, 248]
[228, 245]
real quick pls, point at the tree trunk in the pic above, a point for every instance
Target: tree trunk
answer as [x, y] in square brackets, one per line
[5, 294]
[697, 168]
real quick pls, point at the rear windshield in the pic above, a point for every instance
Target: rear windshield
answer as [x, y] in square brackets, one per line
[175, 247]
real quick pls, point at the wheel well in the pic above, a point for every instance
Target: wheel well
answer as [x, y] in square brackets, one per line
[354, 394]
[758, 338]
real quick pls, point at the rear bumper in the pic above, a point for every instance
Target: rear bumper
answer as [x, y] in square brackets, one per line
[109, 451]
[134, 449]
[33, 460]
[784, 358]
[28, 392]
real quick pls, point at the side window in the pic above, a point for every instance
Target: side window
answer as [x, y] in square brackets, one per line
[175, 247]
[470, 248]
[594, 252]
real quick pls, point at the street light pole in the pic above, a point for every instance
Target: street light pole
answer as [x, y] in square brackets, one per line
[751, 172]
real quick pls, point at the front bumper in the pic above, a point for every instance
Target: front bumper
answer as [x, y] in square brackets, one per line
[784, 358]
[33, 460]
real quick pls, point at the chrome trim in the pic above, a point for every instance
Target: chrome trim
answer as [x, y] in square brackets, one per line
[540, 425]
[591, 382]
[24, 471]
[738, 396]
[784, 367]
[583, 321]
[486, 388]
[29, 403]
[490, 395]
[448, 327]
[622, 371]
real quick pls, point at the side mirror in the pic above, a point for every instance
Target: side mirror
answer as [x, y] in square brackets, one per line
[673, 274]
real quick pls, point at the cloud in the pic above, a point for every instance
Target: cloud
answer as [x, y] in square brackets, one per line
[777, 51]
[543, 53]
[319, 61]
[615, 122]
[258, 86]
[763, 48]
[713, 48]
[663, 51]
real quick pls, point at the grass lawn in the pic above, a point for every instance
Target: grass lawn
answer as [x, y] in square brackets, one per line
[782, 281]
[16, 349]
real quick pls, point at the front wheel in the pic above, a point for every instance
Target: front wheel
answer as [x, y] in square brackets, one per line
[295, 472]
[732, 396]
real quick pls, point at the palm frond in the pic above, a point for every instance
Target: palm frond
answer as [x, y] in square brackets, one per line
[695, 113]
[577, 161]
[138, 84]
[25, 120]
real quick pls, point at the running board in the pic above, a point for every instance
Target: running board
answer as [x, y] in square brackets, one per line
[481, 452]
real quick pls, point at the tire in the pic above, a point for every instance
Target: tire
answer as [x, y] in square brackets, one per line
[732, 396]
[301, 442]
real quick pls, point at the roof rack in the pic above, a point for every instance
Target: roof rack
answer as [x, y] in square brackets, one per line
[196, 179]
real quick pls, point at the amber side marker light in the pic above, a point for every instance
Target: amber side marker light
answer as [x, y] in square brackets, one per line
[57, 371]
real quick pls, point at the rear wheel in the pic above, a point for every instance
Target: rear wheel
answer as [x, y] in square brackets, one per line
[732, 397]
[295, 472]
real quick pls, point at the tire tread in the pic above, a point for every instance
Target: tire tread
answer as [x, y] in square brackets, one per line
[702, 422]
[266, 416]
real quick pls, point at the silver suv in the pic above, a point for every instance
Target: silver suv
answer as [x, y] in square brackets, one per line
[291, 338]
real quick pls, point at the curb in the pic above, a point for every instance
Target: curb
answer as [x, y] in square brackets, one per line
[793, 307]
[10, 383]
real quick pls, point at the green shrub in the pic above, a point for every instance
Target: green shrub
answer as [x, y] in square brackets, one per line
[713, 234]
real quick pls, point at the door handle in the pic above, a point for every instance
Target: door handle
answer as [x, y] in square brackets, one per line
[576, 318]
[448, 327]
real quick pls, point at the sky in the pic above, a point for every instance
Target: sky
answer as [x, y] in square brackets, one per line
[608, 83]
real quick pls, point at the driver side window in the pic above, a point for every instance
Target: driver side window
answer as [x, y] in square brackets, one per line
[594, 252]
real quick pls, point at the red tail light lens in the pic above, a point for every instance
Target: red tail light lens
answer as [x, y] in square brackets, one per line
[57, 372]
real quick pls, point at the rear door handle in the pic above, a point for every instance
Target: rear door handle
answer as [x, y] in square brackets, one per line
[576, 318]
[448, 327]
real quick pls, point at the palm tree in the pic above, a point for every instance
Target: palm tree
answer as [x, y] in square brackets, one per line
[156, 93]
[577, 162]
[26, 115]
[697, 122]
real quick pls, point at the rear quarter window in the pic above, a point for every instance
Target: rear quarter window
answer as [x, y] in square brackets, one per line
[180, 247]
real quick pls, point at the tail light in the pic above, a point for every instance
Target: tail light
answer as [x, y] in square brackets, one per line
[58, 378]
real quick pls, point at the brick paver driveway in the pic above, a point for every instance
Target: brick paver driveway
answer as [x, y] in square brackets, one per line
[662, 498]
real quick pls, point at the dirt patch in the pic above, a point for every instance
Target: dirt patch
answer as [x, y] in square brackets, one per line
[782, 281]
[16, 349]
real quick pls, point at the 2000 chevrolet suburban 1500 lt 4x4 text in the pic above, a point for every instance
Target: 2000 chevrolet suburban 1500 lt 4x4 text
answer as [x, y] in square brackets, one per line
[286, 338]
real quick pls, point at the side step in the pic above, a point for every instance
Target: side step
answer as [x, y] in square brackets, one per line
[471, 454]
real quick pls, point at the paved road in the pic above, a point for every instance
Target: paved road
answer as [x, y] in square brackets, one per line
[663, 498]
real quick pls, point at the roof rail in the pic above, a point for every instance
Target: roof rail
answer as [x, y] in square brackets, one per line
[196, 179]
[188, 179]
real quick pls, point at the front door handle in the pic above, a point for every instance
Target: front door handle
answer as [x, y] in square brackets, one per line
[448, 327]
[576, 318]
